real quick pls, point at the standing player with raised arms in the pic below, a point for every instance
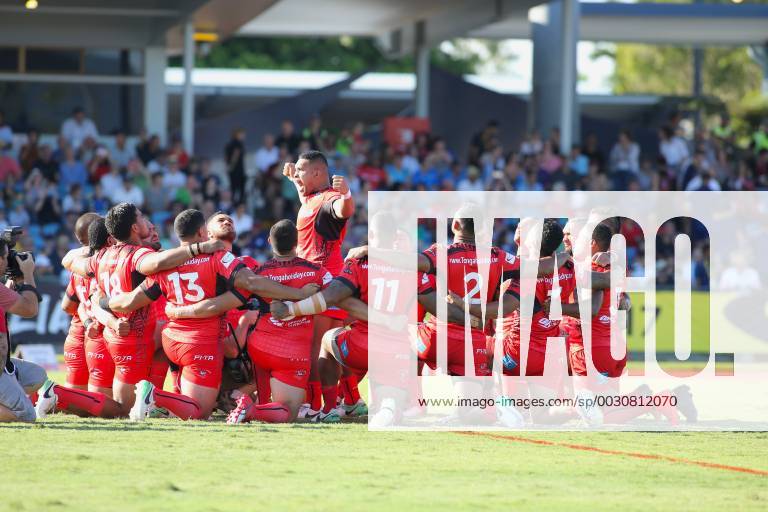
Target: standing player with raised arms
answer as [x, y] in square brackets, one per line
[326, 204]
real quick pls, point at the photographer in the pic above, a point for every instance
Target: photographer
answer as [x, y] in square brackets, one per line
[18, 378]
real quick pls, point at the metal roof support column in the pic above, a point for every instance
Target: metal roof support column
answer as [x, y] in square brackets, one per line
[422, 71]
[569, 120]
[155, 94]
[188, 94]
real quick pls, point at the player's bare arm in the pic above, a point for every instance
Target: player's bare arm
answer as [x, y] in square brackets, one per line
[548, 264]
[82, 313]
[601, 280]
[336, 292]
[455, 313]
[122, 326]
[131, 301]
[206, 308]
[77, 261]
[572, 308]
[69, 306]
[510, 303]
[158, 261]
[265, 287]
[344, 207]
[355, 307]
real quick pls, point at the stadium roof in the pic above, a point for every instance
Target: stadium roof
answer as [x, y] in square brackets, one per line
[696, 24]
[120, 24]
[706, 24]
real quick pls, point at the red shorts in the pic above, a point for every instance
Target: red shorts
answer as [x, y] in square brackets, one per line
[132, 360]
[75, 362]
[335, 313]
[534, 365]
[200, 363]
[101, 368]
[350, 350]
[293, 371]
[427, 349]
[604, 362]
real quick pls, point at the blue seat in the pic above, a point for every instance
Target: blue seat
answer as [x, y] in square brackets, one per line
[159, 218]
[50, 230]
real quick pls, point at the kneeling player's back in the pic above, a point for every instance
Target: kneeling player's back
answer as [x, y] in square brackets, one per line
[279, 336]
[203, 277]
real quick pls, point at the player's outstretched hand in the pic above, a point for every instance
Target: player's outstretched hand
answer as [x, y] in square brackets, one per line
[357, 252]
[279, 309]
[123, 327]
[289, 170]
[310, 289]
[339, 184]
[211, 246]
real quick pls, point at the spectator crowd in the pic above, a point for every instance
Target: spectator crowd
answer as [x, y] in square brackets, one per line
[45, 188]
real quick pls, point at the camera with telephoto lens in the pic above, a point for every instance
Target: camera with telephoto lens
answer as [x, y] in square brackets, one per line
[10, 236]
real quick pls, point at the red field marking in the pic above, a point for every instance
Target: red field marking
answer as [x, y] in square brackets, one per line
[636, 455]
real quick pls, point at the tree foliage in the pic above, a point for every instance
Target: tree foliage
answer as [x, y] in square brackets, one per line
[351, 54]
[729, 74]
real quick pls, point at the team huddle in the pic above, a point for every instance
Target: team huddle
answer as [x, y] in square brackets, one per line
[289, 338]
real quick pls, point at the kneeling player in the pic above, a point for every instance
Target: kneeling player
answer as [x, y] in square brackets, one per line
[281, 349]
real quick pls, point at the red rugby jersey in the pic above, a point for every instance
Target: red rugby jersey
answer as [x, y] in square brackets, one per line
[541, 326]
[92, 285]
[321, 234]
[233, 315]
[464, 277]
[77, 291]
[203, 277]
[116, 272]
[601, 322]
[288, 338]
[387, 294]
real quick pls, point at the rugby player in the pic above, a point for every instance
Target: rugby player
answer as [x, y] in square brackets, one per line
[608, 368]
[194, 344]
[279, 349]
[96, 401]
[326, 204]
[237, 322]
[101, 368]
[75, 295]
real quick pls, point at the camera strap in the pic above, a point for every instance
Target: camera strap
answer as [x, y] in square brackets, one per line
[9, 366]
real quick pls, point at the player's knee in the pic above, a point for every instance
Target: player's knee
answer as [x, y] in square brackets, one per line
[328, 339]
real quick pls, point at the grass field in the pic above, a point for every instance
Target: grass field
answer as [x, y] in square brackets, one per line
[67, 463]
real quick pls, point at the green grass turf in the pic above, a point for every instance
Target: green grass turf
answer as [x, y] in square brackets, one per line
[66, 463]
